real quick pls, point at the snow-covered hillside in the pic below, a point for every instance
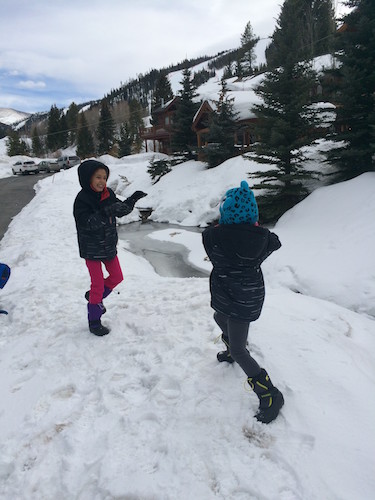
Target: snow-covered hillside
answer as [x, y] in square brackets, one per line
[147, 412]
[10, 116]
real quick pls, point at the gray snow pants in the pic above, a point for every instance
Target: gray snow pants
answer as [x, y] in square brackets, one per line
[235, 333]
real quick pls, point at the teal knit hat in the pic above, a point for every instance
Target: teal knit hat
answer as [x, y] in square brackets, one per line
[239, 206]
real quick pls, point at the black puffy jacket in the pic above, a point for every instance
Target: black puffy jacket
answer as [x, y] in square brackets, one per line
[236, 252]
[96, 219]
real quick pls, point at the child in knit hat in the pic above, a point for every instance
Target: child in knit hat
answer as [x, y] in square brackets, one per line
[236, 247]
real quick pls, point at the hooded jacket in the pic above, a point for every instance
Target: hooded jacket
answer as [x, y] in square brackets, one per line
[95, 218]
[236, 252]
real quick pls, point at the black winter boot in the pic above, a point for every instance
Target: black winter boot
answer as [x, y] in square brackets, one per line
[225, 355]
[98, 329]
[270, 398]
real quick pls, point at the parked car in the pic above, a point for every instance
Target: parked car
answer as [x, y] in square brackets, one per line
[54, 166]
[68, 161]
[25, 167]
[48, 166]
[44, 166]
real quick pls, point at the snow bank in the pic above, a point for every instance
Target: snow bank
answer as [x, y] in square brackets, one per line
[5, 161]
[329, 245]
[147, 412]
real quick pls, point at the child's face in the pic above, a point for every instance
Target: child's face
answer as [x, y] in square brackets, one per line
[99, 180]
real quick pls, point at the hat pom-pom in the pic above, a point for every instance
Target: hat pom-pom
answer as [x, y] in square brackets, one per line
[245, 185]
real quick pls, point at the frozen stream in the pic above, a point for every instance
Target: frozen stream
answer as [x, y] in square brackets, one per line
[168, 259]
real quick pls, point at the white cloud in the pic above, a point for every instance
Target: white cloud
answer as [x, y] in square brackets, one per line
[100, 44]
[91, 46]
[31, 85]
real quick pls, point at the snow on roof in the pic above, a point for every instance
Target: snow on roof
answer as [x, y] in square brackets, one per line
[242, 91]
[324, 62]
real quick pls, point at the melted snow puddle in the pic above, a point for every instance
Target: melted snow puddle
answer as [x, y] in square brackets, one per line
[168, 259]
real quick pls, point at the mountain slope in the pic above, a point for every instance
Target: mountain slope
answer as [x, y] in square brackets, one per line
[9, 116]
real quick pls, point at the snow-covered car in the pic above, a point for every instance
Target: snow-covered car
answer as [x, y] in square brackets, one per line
[25, 167]
[68, 161]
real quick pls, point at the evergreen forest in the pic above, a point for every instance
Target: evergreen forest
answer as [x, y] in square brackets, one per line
[287, 118]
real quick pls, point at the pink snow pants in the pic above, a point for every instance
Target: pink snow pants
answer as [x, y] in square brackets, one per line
[98, 282]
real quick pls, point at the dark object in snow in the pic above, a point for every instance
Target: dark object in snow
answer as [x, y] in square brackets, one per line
[4, 274]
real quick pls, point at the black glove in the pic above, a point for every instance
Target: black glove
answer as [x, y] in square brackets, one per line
[117, 209]
[136, 196]
[121, 208]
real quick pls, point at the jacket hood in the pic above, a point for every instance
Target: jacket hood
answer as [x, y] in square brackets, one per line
[86, 171]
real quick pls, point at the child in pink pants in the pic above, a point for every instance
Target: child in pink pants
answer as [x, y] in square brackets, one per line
[95, 210]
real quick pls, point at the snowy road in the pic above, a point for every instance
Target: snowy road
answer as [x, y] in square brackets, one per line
[15, 193]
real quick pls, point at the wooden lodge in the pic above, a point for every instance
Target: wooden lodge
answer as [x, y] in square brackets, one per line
[244, 134]
[161, 132]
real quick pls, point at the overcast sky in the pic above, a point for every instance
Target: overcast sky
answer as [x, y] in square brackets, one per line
[59, 51]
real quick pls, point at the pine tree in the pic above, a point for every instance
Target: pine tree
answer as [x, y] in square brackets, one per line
[72, 122]
[4, 130]
[158, 168]
[85, 141]
[248, 42]
[324, 27]
[356, 93]
[64, 132]
[136, 125]
[106, 129]
[163, 93]
[228, 73]
[222, 127]
[15, 145]
[304, 29]
[54, 129]
[125, 141]
[286, 123]
[37, 145]
[239, 73]
[184, 139]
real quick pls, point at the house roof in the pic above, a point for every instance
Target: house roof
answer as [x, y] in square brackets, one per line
[209, 106]
[165, 107]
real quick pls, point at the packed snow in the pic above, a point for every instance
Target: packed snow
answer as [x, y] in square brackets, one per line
[147, 412]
